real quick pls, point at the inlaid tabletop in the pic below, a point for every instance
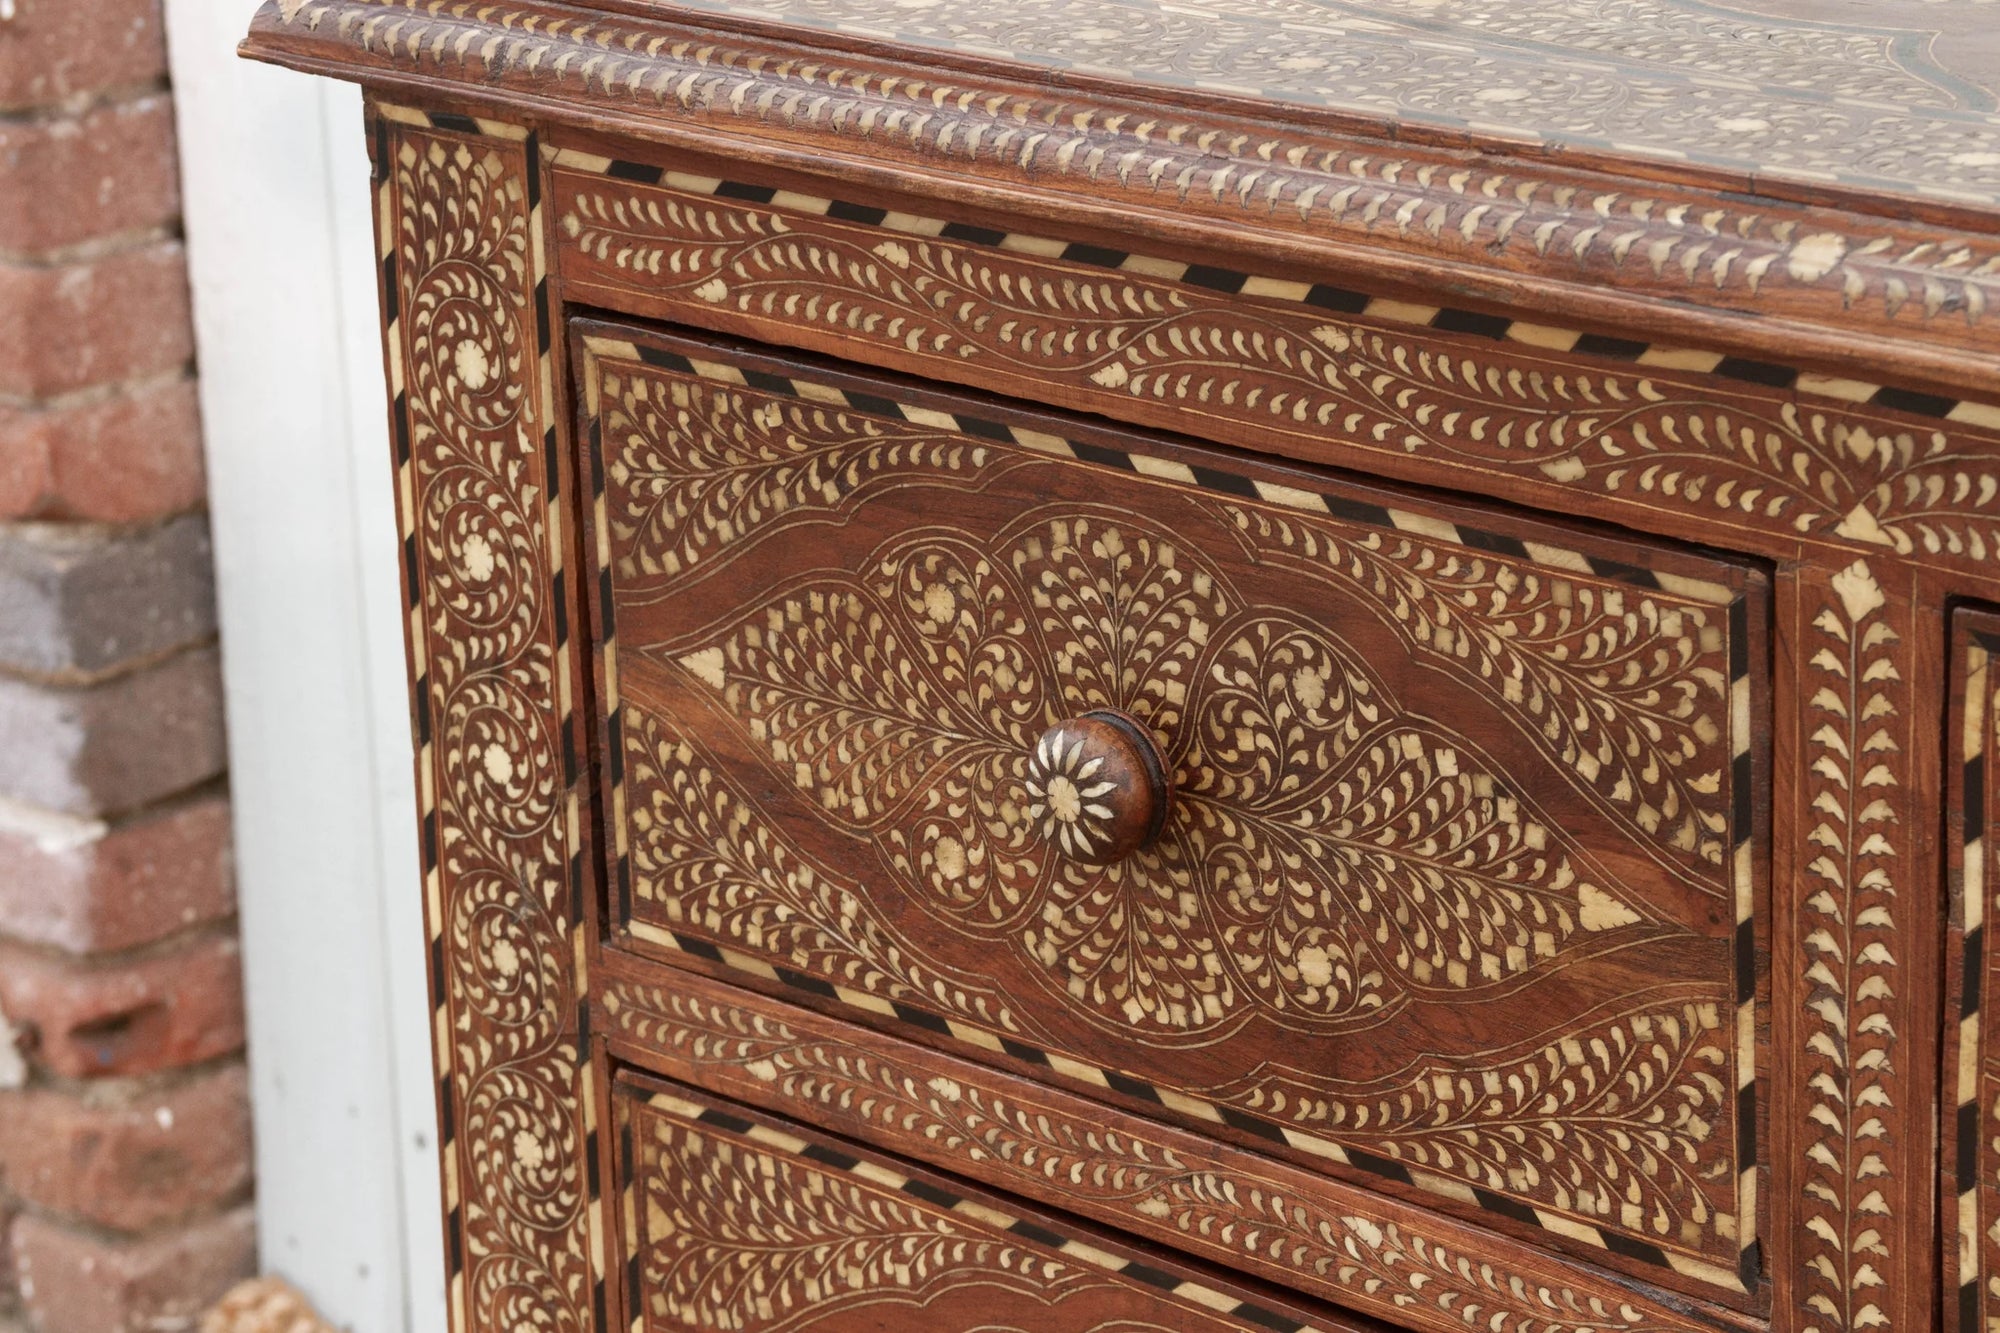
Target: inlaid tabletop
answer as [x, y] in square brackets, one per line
[1895, 97]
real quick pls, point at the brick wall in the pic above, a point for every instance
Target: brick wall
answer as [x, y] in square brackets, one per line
[124, 1118]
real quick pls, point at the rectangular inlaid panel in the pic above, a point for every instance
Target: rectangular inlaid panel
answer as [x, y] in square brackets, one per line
[1454, 887]
[1972, 1056]
[1660, 437]
[735, 1221]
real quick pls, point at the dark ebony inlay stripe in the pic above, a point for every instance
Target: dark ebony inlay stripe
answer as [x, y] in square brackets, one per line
[846, 212]
[963, 231]
[1097, 255]
[456, 1230]
[1618, 349]
[401, 418]
[1097, 453]
[1975, 958]
[1975, 798]
[1968, 1145]
[1131, 1087]
[1757, 372]
[1467, 321]
[1355, 511]
[1490, 1202]
[735, 1124]
[636, 171]
[390, 296]
[1262, 1318]
[1739, 639]
[1152, 1277]
[1746, 960]
[1040, 1235]
[1750, 1262]
[1624, 573]
[985, 430]
[1380, 1166]
[752, 194]
[930, 1193]
[810, 985]
[1493, 542]
[1634, 1249]
[868, 402]
[1226, 482]
[1968, 1307]
[917, 1018]
[1215, 279]
[1746, 1126]
[1905, 400]
[665, 360]
[1020, 1052]
[448, 120]
[1250, 1124]
[698, 948]
[769, 383]
[1336, 298]
[825, 1156]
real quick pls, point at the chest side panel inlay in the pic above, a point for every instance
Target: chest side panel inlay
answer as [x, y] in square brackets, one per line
[739, 1223]
[493, 674]
[1431, 784]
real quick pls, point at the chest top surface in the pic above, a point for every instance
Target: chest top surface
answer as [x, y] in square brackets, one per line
[1895, 98]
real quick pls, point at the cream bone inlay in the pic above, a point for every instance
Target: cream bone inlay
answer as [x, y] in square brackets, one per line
[912, 992]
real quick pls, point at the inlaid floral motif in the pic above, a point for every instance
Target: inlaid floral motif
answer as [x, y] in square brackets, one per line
[1135, 1175]
[1143, 346]
[500, 813]
[1326, 857]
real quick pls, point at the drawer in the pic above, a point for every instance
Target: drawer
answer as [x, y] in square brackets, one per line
[735, 1220]
[1416, 842]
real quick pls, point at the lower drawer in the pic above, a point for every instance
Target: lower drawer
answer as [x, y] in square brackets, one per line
[739, 1221]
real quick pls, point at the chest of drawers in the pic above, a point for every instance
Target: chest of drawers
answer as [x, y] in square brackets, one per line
[1118, 666]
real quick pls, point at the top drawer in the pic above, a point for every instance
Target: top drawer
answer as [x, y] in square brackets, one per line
[1407, 839]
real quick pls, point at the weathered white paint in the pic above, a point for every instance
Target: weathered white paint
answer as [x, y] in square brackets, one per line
[276, 183]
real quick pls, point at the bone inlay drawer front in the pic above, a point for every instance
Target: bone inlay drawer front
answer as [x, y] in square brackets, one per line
[735, 1221]
[1412, 841]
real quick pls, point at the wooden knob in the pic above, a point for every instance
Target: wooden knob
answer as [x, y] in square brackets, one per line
[1098, 787]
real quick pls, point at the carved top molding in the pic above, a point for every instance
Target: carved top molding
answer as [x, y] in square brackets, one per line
[1519, 221]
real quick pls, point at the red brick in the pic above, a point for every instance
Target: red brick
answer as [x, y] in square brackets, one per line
[77, 886]
[69, 179]
[88, 1018]
[130, 456]
[66, 327]
[77, 1282]
[111, 747]
[127, 1157]
[58, 50]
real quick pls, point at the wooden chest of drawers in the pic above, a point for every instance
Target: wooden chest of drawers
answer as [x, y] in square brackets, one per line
[1104, 665]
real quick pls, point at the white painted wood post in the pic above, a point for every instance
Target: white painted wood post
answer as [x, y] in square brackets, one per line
[278, 224]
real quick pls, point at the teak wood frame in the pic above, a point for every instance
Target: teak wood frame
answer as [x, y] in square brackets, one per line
[510, 864]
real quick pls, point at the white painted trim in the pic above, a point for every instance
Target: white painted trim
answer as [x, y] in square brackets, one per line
[281, 257]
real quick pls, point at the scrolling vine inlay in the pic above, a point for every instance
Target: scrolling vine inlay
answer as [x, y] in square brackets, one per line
[1339, 865]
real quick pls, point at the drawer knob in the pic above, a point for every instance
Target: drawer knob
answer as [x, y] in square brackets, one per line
[1098, 788]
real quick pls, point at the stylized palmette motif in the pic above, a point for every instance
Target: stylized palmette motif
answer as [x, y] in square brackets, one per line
[1124, 1172]
[1143, 345]
[1326, 857]
[457, 223]
[1852, 972]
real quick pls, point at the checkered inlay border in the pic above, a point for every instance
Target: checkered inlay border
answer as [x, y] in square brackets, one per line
[982, 1215]
[1336, 300]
